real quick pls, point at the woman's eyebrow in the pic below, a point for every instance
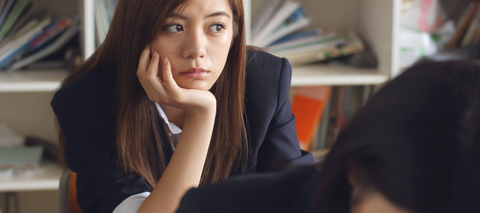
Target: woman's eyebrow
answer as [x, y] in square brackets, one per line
[218, 13]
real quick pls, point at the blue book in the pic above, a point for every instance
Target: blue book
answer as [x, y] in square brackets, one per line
[299, 35]
[18, 51]
[296, 16]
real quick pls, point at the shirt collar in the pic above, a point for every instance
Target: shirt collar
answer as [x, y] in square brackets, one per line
[174, 129]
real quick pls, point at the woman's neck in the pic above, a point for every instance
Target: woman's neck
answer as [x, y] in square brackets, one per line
[174, 115]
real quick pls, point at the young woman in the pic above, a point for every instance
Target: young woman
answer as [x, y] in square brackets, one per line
[414, 148]
[173, 99]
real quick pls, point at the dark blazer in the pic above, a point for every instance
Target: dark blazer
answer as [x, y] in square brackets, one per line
[289, 191]
[85, 112]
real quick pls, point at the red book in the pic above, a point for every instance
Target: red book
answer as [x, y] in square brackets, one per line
[44, 37]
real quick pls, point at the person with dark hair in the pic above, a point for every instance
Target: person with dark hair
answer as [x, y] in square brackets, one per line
[413, 148]
[173, 98]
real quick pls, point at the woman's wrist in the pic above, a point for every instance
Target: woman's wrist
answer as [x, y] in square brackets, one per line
[208, 108]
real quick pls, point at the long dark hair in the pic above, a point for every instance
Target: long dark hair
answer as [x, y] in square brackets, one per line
[417, 142]
[138, 140]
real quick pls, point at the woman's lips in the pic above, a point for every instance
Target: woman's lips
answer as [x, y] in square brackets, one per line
[194, 73]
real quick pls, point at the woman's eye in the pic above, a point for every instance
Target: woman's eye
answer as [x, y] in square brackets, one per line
[174, 28]
[217, 28]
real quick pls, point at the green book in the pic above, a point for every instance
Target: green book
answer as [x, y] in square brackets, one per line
[2, 4]
[13, 16]
[19, 23]
[45, 15]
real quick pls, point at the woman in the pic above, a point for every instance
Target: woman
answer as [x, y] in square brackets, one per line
[170, 100]
[414, 147]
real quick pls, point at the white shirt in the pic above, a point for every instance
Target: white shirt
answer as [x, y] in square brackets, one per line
[133, 203]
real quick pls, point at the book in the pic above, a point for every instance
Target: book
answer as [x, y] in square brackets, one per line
[472, 28]
[298, 36]
[309, 44]
[110, 8]
[101, 21]
[27, 27]
[463, 24]
[54, 46]
[341, 120]
[265, 15]
[19, 23]
[353, 45]
[286, 9]
[332, 117]
[296, 21]
[13, 16]
[324, 125]
[14, 47]
[20, 158]
[308, 106]
[5, 10]
[50, 32]
[2, 4]
[316, 45]
[318, 141]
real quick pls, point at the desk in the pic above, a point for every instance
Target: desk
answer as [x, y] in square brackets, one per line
[48, 179]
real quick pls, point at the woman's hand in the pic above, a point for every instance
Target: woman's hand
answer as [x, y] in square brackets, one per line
[185, 168]
[192, 101]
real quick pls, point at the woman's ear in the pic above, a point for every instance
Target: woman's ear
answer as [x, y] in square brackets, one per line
[352, 174]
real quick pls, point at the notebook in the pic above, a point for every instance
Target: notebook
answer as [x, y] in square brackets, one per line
[20, 158]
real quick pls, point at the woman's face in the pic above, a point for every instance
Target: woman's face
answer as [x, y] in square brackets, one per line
[367, 200]
[375, 202]
[196, 40]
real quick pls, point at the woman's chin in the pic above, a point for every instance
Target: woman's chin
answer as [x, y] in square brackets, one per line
[198, 85]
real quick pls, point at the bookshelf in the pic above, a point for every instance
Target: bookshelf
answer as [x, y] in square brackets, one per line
[311, 75]
[376, 21]
[31, 80]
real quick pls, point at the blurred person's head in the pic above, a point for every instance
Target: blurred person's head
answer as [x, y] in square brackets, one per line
[415, 147]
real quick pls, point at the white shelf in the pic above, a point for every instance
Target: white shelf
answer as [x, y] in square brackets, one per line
[312, 75]
[48, 179]
[31, 80]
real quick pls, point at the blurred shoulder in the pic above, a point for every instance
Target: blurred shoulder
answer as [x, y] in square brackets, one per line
[257, 58]
[94, 87]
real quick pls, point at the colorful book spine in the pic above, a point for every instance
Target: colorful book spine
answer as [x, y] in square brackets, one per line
[13, 16]
[299, 35]
[308, 106]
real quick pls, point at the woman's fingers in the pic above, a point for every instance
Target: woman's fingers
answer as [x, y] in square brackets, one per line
[168, 76]
[144, 60]
[152, 70]
[148, 74]
[153, 82]
[143, 65]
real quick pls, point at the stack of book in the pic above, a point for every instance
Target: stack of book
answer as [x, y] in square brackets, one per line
[20, 160]
[279, 29]
[28, 35]
[468, 27]
[321, 112]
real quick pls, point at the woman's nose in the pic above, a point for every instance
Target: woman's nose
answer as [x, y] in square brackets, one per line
[195, 45]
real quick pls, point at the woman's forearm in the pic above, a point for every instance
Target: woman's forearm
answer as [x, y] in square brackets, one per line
[186, 165]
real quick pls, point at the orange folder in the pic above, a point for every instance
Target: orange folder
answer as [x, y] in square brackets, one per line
[307, 106]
